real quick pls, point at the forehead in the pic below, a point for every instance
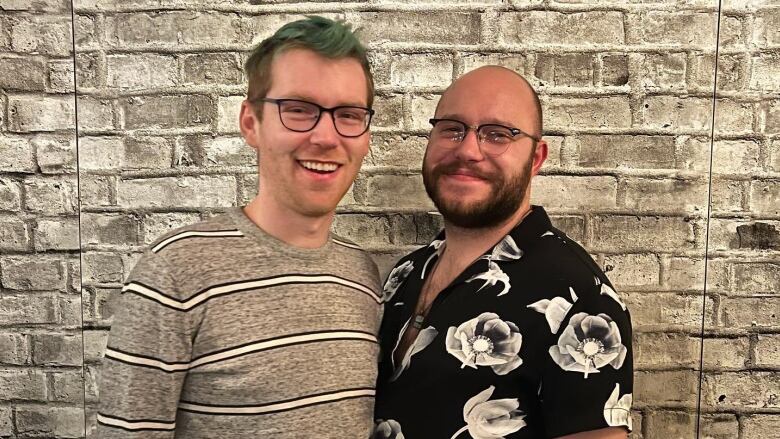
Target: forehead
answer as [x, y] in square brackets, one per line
[488, 96]
[302, 73]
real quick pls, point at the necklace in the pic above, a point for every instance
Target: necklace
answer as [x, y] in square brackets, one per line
[419, 317]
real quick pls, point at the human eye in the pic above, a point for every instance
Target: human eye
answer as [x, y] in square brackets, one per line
[300, 109]
[450, 130]
[351, 114]
[497, 134]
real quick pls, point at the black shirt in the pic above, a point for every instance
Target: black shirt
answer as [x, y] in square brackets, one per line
[530, 341]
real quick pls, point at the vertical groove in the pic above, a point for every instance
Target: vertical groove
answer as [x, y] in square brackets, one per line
[707, 226]
[78, 206]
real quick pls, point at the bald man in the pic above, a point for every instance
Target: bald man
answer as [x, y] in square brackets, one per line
[502, 326]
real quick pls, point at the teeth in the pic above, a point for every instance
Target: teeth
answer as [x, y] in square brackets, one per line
[319, 166]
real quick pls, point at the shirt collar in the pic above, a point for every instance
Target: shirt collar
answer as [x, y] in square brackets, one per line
[533, 227]
[536, 224]
[524, 235]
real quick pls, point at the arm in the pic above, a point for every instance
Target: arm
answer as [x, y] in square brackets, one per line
[603, 433]
[146, 359]
[588, 377]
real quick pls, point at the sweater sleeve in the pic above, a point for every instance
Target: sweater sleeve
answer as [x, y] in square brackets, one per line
[147, 356]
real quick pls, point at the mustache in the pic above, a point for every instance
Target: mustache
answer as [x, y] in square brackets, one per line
[452, 167]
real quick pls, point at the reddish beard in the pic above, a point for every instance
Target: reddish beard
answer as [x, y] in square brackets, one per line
[503, 201]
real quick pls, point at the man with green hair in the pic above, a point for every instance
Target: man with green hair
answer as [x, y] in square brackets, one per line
[259, 322]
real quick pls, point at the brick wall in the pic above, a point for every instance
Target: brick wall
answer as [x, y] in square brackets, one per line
[41, 385]
[628, 94]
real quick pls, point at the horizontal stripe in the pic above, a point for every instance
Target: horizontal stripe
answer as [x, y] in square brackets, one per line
[129, 363]
[345, 244]
[238, 351]
[196, 234]
[136, 425]
[275, 407]
[281, 342]
[235, 287]
[282, 279]
[150, 293]
[145, 361]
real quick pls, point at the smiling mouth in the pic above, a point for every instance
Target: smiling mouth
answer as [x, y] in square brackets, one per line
[465, 176]
[319, 167]
[460, 172]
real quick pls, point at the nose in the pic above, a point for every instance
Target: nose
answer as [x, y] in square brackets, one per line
[469, 150]
[324, 134]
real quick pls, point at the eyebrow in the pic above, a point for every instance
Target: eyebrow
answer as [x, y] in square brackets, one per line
[314, 101]
[487, 122]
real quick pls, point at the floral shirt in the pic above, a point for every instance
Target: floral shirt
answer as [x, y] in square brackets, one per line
[530, 341]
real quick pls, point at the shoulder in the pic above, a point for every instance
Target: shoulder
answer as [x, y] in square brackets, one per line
[345, 243]
[421, 254]
[354, 256]
[561, 278]
[183, 247]
[418, 259]
[556, 257]
[184, 239]
[350, 250]
[590, 290]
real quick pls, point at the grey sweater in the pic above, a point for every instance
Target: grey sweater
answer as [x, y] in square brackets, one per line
[221, 330]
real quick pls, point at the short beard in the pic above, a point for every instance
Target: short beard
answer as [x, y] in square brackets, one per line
[503, 201]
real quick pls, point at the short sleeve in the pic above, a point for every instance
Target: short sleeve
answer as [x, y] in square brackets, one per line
[587, 381]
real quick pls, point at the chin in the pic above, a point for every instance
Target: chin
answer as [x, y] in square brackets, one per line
[316, 208]
[464, 202]
[317, 211]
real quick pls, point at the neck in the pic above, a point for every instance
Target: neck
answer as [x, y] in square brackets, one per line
[289, 226]
[464, 245]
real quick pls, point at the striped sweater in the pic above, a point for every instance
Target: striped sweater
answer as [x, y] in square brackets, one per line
[221, 330]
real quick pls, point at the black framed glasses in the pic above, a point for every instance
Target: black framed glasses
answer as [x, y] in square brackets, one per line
[494, 139]
[302, 116]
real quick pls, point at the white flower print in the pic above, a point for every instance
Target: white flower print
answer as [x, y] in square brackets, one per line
[396, 278]
[424, 338]
[491, 419]
[618, 411]
[506, 250]
[389, 429]
[438, 245]
[606, 290]
[554, 310]
[492, 277]
[589, 343]
[486, 341]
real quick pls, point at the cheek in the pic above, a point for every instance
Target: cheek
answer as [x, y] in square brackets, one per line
[280, 144]
[359, 149]
[431, 158]
[426, 164]
[437, 159]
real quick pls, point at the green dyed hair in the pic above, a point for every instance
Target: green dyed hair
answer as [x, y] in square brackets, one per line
[323, 36]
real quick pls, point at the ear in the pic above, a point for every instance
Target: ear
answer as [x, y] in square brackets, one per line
[249, 124]
[540, 155]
